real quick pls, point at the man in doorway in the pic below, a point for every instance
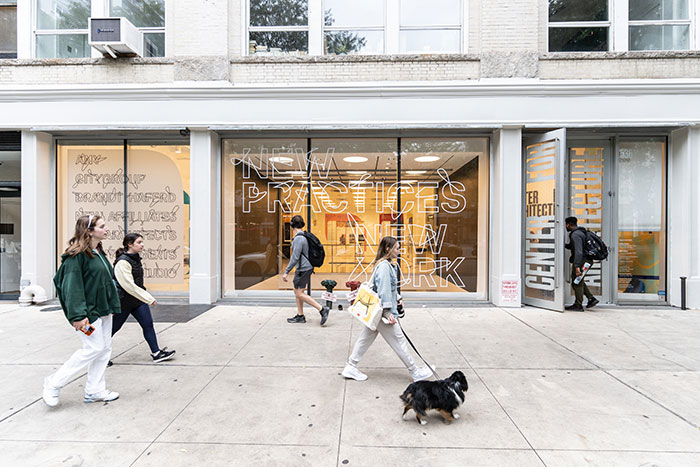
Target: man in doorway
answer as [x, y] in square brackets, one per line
[577, 237]
[302, 276]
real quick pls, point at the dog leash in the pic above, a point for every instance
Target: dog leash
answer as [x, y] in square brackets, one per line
[416, 350]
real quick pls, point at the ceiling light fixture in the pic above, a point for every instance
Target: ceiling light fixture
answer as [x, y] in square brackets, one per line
[416, 172]
[281, 159]
[427, 159]
[355, 159]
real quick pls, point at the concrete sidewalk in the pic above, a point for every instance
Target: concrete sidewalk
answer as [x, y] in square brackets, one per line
[610, 387]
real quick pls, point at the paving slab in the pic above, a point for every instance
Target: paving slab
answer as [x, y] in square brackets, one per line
[21, 386]
[70, 453]
[373, 416]
[491, 338]
[616, 459]
[600, 339]
[263, 455]
[148, 401]
[676, 390]
[286, 345]
[370, 456]
[586, 410]
[269, 405]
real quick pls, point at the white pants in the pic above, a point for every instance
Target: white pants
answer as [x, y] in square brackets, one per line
[392, 335]
[96, 352]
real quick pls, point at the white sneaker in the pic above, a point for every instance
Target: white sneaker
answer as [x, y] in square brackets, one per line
[103, 396]
[351, 372]
[50, 395]
[419, 374]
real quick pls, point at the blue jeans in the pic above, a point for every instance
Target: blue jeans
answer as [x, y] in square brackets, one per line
[142, 313]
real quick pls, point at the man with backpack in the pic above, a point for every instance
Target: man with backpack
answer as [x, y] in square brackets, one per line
[579, 255]
[306, 250]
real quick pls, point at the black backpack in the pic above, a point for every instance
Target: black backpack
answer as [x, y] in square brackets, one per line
[594, 247]
[316, 251]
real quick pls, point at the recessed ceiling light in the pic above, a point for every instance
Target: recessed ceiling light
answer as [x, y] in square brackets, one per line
[355, 159]
[427, 159]
[281, 159]
[357, 172]
[295, 173]
[416, 172]
[408, 181]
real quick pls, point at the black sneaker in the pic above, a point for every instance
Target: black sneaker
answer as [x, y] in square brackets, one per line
[297, 319]
[592, 302]
[324, 314]
[574, 307]
[163, 355]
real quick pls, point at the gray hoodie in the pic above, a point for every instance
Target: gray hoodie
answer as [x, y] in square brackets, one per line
[300, 254]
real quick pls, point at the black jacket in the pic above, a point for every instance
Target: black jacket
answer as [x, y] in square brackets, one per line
[577, 239]
[127, 300]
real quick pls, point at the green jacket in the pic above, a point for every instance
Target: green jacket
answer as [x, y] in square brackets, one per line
[85, 287]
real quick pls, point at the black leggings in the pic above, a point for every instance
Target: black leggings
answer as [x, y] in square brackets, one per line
[142, 313]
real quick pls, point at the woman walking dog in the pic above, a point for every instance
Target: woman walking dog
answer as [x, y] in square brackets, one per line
[385, 283]
[88, 297]
[135, 300]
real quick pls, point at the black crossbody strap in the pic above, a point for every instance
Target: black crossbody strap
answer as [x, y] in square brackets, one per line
[416, 350]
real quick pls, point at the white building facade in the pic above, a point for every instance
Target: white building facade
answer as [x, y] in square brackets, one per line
[468, 129]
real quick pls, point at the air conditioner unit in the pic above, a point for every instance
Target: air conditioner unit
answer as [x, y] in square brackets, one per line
[115, 36]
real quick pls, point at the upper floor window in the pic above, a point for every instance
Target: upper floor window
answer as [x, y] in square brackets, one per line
[576, 25]
[61, 25]
[61, 28]
[279, 27]
[659, 25]
[8, 29]
[431, 27]
[339, 27]
[149, 17]
[621, 25]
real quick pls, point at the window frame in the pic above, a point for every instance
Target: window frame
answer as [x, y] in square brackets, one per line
[619, 27]
[316, 29]
[98, 8]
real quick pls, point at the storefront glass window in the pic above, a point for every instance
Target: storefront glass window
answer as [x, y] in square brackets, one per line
[641, 217]
[10, 224]
[151, 199]
[439, 211]
[444, 199]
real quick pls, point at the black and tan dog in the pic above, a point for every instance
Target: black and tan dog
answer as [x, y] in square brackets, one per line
[444, 395]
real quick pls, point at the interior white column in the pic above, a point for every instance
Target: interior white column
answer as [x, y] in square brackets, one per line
[506, 217]
[684, 216]
[38, 211]
[205, 228]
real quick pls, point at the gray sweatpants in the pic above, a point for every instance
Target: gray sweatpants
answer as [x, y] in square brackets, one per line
[392, 335]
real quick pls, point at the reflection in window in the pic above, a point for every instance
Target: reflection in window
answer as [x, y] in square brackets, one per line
[278, 27]
[353, 27]
[641, 216]
[8, 30]
[433, 27]
[576, 26]
[62, 28]
[149, 17]
[659, 25]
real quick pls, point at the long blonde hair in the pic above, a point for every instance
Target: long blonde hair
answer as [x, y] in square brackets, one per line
[81, 241]
[384, 250]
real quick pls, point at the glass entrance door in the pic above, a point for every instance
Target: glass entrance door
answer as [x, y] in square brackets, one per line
[543, 258]
[589, 200]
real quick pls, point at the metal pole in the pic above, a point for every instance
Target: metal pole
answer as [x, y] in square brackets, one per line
[683, 307]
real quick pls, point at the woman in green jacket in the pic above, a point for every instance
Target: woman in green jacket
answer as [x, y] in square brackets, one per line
[88, 297]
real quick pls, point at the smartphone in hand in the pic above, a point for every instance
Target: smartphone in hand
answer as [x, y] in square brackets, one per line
[88, 330]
